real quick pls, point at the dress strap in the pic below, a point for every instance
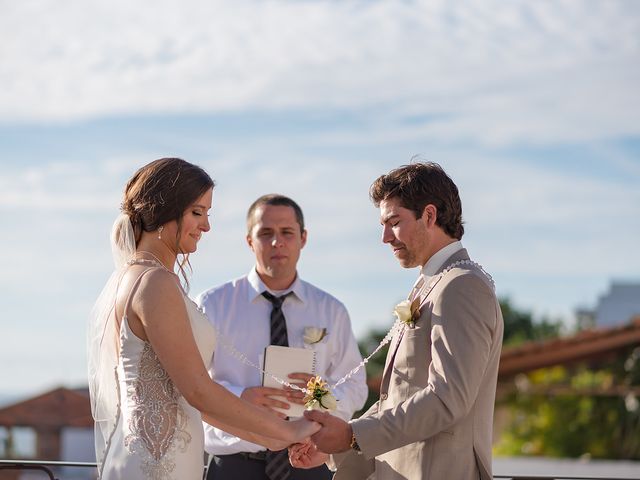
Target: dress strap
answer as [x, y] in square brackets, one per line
[133, 289]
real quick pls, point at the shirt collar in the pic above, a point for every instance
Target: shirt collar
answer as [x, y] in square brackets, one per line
[257, 286]
[437, 260]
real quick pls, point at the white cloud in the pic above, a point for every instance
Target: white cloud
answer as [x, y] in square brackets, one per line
[65, 186]
[447, 79]
[491, 71]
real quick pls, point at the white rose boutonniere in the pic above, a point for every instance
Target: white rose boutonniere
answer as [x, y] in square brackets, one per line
[313, 335]
[407, 312]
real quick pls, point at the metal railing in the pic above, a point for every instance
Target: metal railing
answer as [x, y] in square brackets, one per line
[560, 477]
[48, 467]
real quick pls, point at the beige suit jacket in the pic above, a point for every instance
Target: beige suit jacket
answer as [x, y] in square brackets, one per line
[435, 414]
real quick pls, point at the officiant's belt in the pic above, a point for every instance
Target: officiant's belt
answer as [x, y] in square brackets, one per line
[260, 456]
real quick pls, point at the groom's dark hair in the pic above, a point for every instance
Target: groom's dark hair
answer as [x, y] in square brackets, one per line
[277, 200]
[419, 184]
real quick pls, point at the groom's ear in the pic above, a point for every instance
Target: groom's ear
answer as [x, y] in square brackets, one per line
[249, 241]
[303, 237]
[430, 214]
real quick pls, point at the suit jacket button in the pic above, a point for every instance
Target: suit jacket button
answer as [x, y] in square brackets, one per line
[383, 396]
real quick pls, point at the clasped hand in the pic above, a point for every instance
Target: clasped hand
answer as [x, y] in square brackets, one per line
[315, 443]
[306, 455]
[334, 436]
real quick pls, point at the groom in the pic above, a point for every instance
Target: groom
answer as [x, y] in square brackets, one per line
[435, 413]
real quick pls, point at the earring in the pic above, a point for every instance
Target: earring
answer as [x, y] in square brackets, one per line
[160, 228]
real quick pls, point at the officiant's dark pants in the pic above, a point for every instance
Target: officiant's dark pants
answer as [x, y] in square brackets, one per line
[250, 466]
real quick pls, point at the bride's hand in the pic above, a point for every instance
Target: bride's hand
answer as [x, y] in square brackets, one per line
[295, 431]
[306, 455]
[302, 430]
[275, 444]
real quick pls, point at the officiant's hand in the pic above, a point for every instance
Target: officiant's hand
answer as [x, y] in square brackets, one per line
[335, 434]
[296, 396]
[264, 397]
[306, 455]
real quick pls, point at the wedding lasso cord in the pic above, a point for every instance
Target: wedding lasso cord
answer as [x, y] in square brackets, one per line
[317, 389]
[398, 327]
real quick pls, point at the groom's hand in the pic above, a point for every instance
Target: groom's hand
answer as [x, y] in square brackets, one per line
[335, 434]
[264, 397]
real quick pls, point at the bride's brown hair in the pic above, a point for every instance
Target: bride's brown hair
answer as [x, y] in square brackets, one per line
[160, 192]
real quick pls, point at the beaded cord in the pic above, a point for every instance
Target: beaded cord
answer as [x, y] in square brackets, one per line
[397, 328]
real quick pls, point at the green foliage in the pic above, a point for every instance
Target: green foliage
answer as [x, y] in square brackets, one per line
[569, 413]
[549, 416]
[519, 325]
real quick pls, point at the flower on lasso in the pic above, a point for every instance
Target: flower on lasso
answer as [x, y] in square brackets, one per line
[318, 396]
[408, 312]
[313, 335]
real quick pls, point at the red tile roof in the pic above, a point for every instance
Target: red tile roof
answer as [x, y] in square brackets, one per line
[588, 344]
[58, 408]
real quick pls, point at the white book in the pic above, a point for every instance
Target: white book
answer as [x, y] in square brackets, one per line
[281, 361]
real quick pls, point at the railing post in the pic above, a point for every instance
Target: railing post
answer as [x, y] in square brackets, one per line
[19, 466]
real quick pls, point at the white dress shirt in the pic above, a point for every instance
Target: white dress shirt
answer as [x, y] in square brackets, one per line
[436, 262]
[241, 316]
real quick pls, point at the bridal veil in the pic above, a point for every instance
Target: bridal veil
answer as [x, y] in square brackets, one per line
[102, 340]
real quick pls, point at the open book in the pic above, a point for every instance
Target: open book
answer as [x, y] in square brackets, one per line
[281, 361]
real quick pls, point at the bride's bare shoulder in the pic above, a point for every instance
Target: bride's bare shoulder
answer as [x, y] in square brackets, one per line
[142, 283]
[158, 283]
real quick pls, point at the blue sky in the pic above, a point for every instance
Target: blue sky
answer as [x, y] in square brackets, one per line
[532, 107]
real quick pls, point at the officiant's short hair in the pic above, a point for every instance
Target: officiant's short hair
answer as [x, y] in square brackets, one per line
[277, 200]
[419, 184]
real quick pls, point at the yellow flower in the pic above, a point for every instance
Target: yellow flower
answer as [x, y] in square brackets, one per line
[318, 396]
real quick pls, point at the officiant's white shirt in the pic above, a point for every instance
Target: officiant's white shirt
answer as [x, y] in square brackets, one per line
[241, 315]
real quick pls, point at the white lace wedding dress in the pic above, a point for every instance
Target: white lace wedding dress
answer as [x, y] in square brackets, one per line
[158, 435]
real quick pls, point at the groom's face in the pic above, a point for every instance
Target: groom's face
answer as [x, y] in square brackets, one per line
[406, 235]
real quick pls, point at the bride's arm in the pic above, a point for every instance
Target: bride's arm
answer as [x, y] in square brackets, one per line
[268, 442]
[159, 306]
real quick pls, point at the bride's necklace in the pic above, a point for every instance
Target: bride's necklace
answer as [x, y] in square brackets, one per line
[398, 327]
[154, 260]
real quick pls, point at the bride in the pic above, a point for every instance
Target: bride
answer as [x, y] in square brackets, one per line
[149, 343]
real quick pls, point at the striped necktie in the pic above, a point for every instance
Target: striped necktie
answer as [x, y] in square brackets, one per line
[278, 323]
[277, 465]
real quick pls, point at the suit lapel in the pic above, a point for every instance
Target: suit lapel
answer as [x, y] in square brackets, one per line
[421, 290]
[417, 286]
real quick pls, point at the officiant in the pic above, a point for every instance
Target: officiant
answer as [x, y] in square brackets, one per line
[272, 305]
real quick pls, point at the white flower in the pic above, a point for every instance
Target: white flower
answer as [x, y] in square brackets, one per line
[318, 396]
[403, 312]
[313, 335]
[327, 402]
